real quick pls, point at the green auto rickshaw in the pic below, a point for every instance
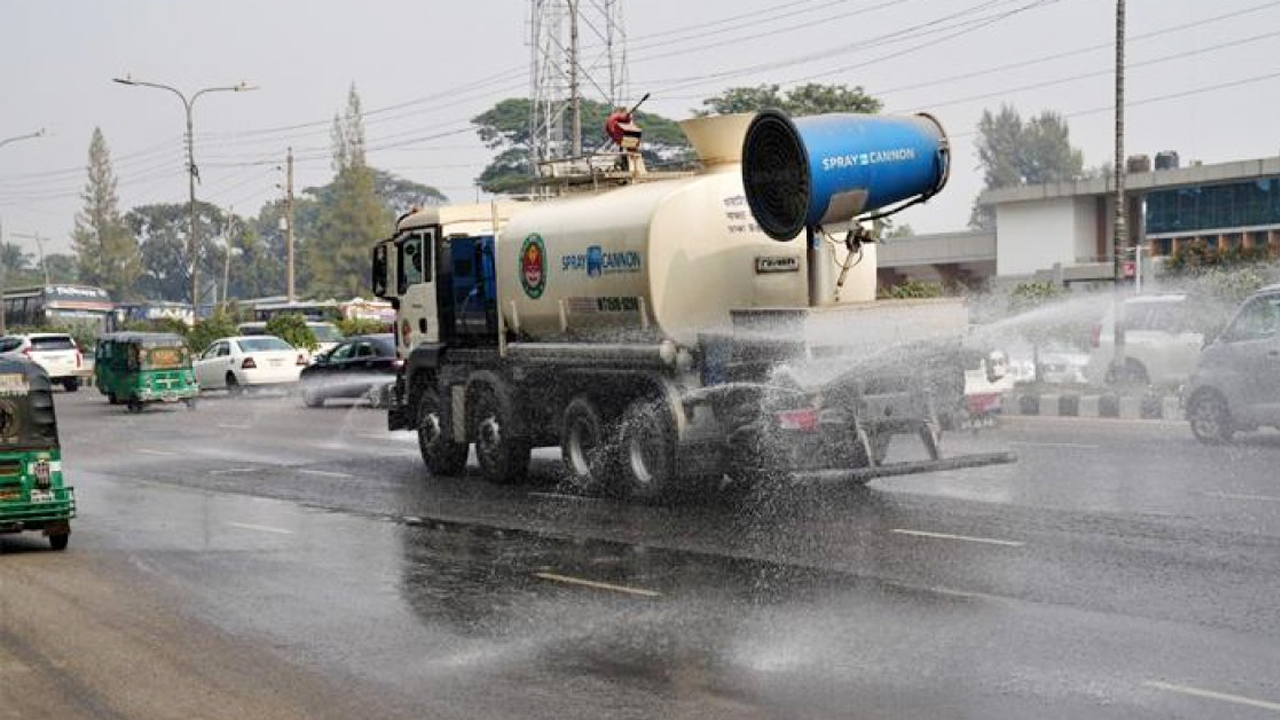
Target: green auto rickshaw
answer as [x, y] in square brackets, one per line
[138, 368]
[32, 493]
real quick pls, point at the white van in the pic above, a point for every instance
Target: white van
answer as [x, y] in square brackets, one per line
[1162, 342]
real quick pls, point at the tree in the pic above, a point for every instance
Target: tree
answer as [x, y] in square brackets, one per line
[162, 231]
[352, 219]
[107, 253]
[808, 99]
[505, 129]
[1016, 153]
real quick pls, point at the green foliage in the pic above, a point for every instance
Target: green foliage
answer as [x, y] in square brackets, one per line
[205, 331]
[292, 328]
[163, 325]
[808, 99]
[163, 231]
[107, 252]
[1028, 296]
[361, 326]
[1016, 153]
[505, 129]
[912, 289]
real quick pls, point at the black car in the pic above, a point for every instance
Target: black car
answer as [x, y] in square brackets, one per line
[362, 366]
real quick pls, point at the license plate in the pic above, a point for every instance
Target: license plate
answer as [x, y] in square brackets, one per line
[276, 363]
[41, 496]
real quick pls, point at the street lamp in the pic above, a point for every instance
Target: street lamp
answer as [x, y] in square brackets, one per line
[192, 173]
[16, 138]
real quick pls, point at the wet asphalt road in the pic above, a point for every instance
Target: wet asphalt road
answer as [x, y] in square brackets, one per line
[257, 559]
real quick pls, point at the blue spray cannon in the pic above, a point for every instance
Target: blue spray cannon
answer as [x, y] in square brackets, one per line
[804, 173]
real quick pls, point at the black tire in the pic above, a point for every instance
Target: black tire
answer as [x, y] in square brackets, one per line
[586, 446]
[441, 455]
[58, 541]
[503, 458]
[134, 405]
[192, 403]
[311, 398]
[234, 388]
[71, 384]
[1210, 418]
[648, 449]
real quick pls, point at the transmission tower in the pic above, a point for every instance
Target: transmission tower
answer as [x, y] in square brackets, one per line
[579, 52]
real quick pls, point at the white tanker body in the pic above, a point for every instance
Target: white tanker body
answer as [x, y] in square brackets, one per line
[638, 328]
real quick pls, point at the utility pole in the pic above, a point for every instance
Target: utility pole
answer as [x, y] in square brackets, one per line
[226, 259]
[1120, 241]
[40, 249]
[288, 228]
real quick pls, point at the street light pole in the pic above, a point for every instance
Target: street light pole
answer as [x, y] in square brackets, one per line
[4, 142]
[16, 138]
[187, 104]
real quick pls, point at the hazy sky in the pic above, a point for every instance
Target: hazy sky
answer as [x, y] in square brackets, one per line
[1203, 79]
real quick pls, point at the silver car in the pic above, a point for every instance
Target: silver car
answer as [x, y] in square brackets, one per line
[1236, 385]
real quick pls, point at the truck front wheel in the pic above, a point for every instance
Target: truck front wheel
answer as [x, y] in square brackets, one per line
[648, 450]
[503, 457]
[442, 455]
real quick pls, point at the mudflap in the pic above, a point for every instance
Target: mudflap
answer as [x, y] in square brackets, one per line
[399, 414]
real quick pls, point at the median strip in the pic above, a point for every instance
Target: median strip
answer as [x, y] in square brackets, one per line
[962, 538]
[1213, 695]
[641, 592]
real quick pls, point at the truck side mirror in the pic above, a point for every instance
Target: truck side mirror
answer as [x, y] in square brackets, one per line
[379, 270]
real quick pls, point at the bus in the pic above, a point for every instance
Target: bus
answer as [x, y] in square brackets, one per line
[62, 305]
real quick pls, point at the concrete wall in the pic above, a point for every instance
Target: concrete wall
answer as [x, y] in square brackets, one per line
[1034, 235]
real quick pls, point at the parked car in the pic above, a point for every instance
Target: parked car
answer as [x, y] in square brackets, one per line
[235, 363]
[327, 335]
[1163, 334]
[57, 353]
[360, 366]
[1236, 384]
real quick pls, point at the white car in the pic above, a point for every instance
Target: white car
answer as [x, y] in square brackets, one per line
[1162, 340]
[235, 363]
[57, 353]
[326, 333]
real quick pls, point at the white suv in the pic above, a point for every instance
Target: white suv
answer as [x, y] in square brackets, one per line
[57, 353]
[1162, 340]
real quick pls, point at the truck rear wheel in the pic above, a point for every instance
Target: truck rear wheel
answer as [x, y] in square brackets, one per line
[503, 457]
[648, 435]
[585, 445]
[441, 454]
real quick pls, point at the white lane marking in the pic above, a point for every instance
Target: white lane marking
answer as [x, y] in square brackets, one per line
[1240, 496]
[230, 471]
[962, 538]
[558, 496]
[1211, 695]
[232, 426]
[398, 437]
[260, 528]
[1071, 446]
[596, 584]
[149, 451]
[325, 473]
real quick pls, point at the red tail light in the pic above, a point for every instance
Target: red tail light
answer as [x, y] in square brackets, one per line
[302, 359]
[804, 420]
[1095, 337]
[79, 359]
[26, 351]
[248, 364]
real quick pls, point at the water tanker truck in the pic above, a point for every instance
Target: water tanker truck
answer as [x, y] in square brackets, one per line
[668, 331]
